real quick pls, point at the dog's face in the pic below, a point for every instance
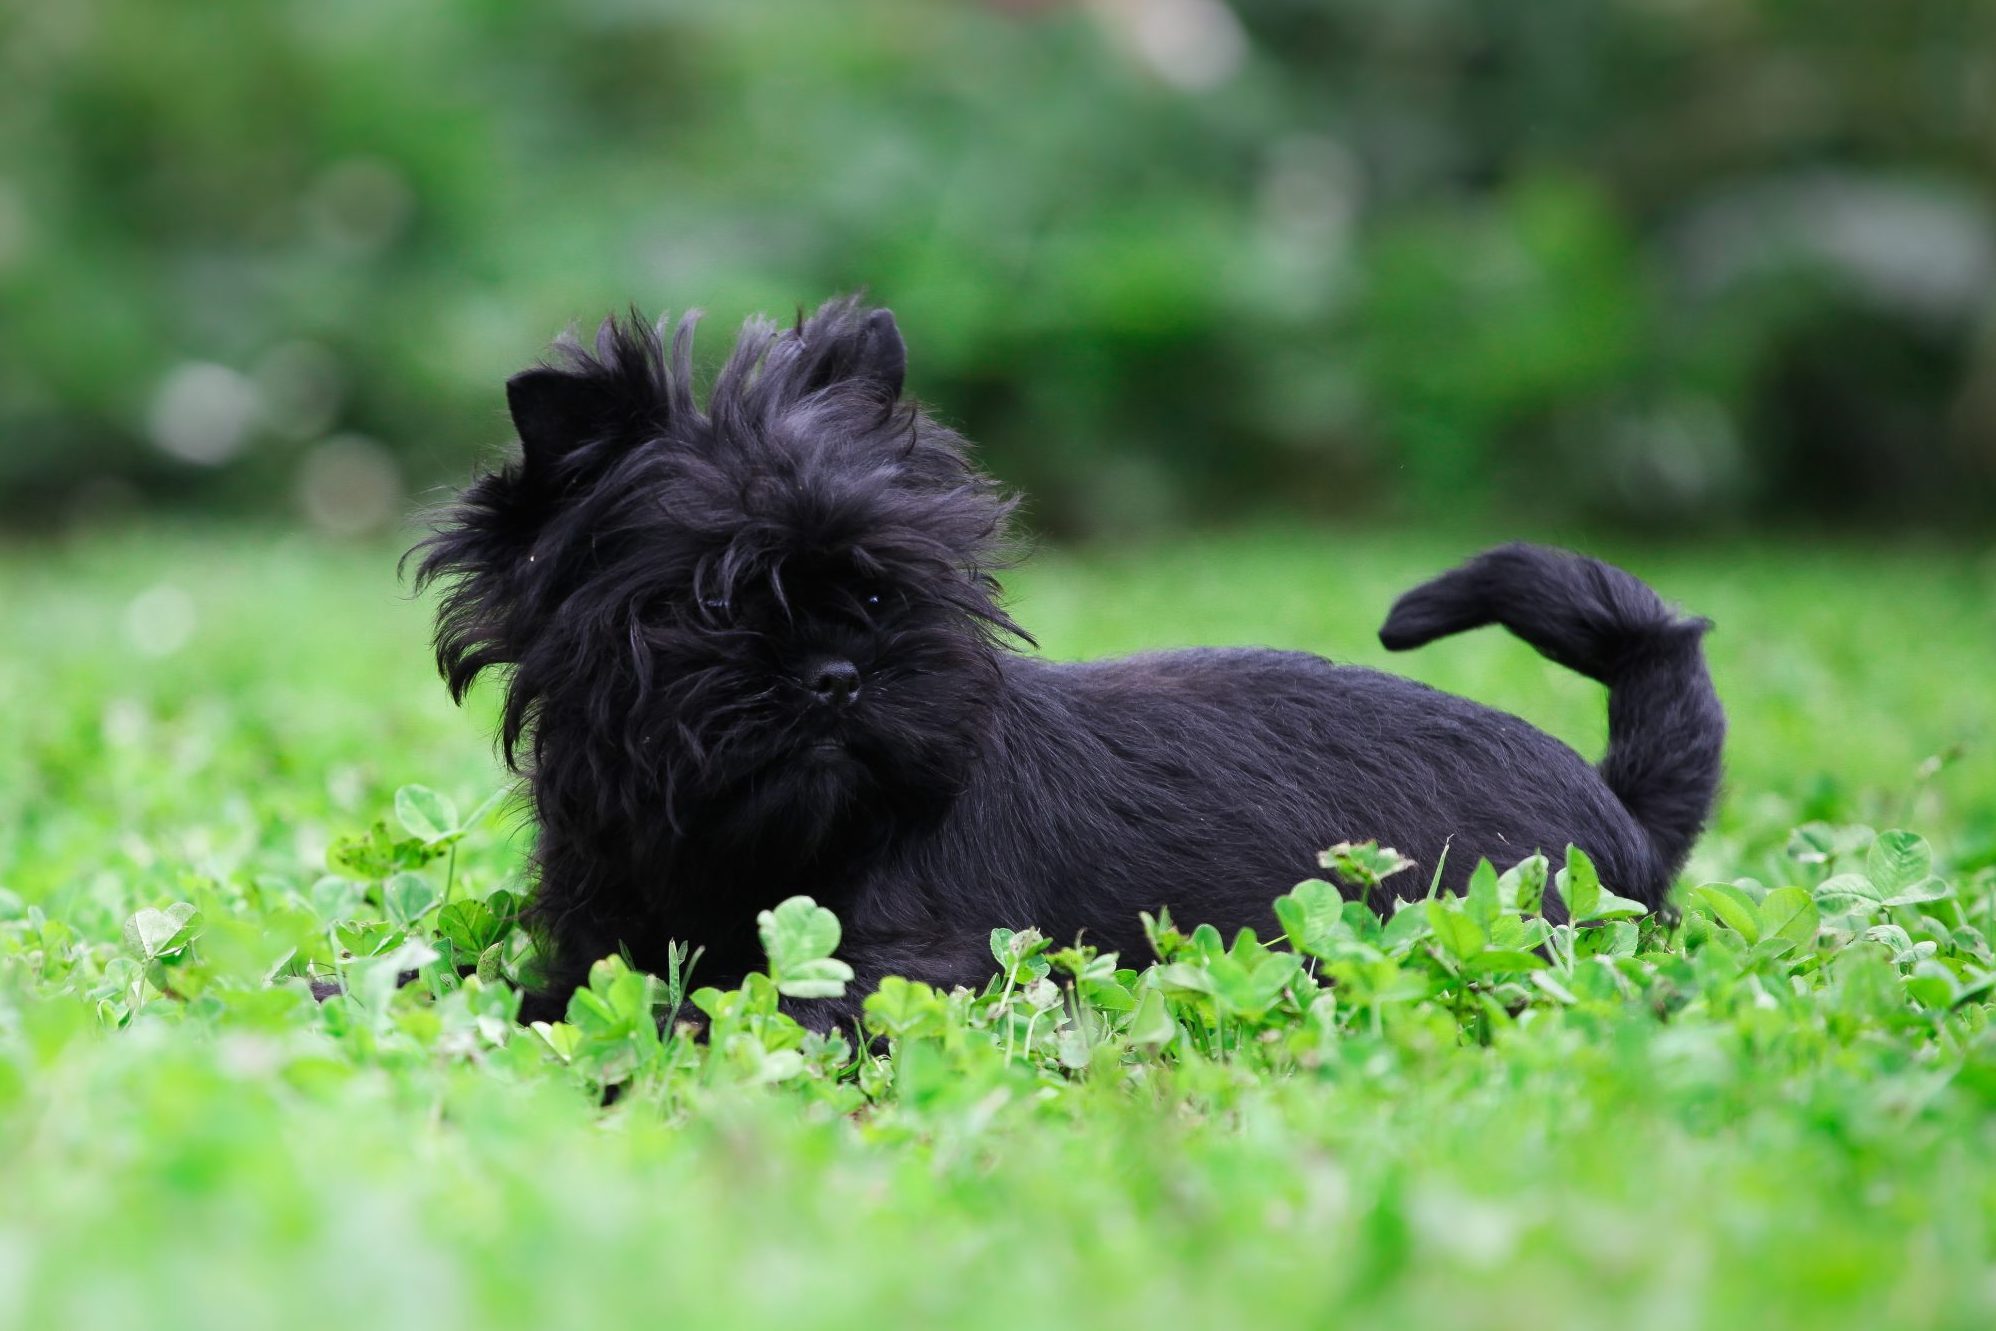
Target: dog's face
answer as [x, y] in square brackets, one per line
[771, 620]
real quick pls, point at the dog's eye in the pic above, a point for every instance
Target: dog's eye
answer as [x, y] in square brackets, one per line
[871, 600]
[714, 605]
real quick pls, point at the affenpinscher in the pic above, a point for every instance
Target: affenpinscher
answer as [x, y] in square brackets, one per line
[757, 650]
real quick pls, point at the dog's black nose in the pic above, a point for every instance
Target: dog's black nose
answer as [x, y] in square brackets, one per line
[833, 679]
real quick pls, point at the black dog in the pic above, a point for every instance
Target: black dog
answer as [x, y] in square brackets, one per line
[757, 650]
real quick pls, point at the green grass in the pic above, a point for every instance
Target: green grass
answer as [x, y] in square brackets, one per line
[1770, 1117]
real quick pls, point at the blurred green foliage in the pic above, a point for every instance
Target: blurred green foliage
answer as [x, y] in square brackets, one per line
[1682, 259]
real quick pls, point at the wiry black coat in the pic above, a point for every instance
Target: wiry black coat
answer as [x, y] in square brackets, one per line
[756, 649]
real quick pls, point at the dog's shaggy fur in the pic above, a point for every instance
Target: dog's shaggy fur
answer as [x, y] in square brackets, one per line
[757, 649]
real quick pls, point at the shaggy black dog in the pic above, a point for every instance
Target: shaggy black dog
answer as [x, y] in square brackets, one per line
[757, 650]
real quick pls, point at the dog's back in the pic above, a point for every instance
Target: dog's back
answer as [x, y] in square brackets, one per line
[1207, 780]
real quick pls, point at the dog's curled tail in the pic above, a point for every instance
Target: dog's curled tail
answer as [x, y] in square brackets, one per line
[1665, 725]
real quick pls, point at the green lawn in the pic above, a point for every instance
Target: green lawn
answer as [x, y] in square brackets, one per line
[1765, 1119]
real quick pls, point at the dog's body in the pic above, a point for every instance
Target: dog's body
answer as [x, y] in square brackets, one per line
[756, 651]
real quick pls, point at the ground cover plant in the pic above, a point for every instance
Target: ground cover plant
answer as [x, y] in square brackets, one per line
[228, 767]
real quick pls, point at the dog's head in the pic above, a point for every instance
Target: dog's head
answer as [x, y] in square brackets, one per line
[774, 618]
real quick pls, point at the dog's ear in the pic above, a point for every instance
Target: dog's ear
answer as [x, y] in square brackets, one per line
[866, 351]
[598, 401]
[554, 413]
[882, 356]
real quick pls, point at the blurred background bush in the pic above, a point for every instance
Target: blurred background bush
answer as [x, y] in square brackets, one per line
[1677, 262]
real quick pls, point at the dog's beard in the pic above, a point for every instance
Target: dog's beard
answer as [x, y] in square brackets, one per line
[755, 769]
[798, 805]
